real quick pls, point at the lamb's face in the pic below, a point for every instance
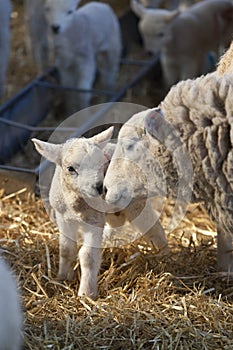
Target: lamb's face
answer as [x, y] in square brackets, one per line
[59, 12]
[82, 161]
[133, 171]
[83, 164]
[153, 27]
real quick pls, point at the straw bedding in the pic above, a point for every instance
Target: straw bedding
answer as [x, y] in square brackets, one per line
[147, 300]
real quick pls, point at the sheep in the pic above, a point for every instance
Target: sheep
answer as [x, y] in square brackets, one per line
[80, 215]
[195, 120]
[85, 40]
[225, 63]
[10, 310]
[5, 12]
[38, 37]
[185, 39]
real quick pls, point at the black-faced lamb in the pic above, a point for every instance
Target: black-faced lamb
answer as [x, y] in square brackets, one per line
[196, 119]
[80, 214]
[87, 41]
[186, 38]
[5, 11]
[10, 311]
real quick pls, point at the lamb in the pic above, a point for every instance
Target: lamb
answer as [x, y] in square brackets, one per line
[10, 313]
[194, 125]
[80, 214]
[5, 11]
[85, 40]
[38, 36]
[184, 39]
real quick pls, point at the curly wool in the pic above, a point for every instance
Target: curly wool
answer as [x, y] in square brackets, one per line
[207, 134]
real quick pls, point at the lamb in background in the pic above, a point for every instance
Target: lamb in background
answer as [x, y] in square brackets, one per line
[5, 12]
[10, 313]
[38, 37]
[198, 115]
[80, 215]
[185, 38]
[86, 40]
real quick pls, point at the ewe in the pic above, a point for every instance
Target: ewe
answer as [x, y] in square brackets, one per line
[185, 38]
[10, 313]
[5, 11]
[200, 113]
[80, 214]
[86, 40]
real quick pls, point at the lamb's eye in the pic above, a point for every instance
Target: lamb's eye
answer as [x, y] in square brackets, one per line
[69, 12]
[72, 170]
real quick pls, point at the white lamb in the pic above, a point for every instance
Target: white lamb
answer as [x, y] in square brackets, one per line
[38, 36]
[86, 41]
[5, 11]
[200, 115]
[75, 196]
[10, 313]
[185, 38]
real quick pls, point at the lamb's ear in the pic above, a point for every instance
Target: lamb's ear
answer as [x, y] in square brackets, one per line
[138, 8]
[171, 15]
[103, 138]
[50, 151]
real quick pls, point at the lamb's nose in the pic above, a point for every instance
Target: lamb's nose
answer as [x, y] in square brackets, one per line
[105, 190]
[55, 28]
[99, 187]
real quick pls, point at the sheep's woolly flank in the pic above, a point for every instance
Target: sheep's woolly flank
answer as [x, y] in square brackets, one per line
[225, 64]
[202, 111]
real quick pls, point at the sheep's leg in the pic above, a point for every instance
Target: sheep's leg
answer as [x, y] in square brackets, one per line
[90, 261]
[86, 71]
[142, 216]
[224, 251]
[170, 70]
[108, 66]
[67, 247]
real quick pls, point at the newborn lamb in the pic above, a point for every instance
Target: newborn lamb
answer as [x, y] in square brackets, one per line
[80, 213]
[86, 41]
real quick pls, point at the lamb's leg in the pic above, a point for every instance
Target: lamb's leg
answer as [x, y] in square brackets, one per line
[85, 74]
[108, 66]
[141, 215]
[224, 251]
[67, 247]
[90, 261]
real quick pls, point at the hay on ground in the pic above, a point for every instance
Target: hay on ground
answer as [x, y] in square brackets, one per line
[146, 301]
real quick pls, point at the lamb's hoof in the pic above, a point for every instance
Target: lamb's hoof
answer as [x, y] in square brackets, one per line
[70, 276]
[92, 295]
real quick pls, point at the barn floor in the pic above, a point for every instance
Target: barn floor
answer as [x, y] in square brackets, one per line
[147, 300]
